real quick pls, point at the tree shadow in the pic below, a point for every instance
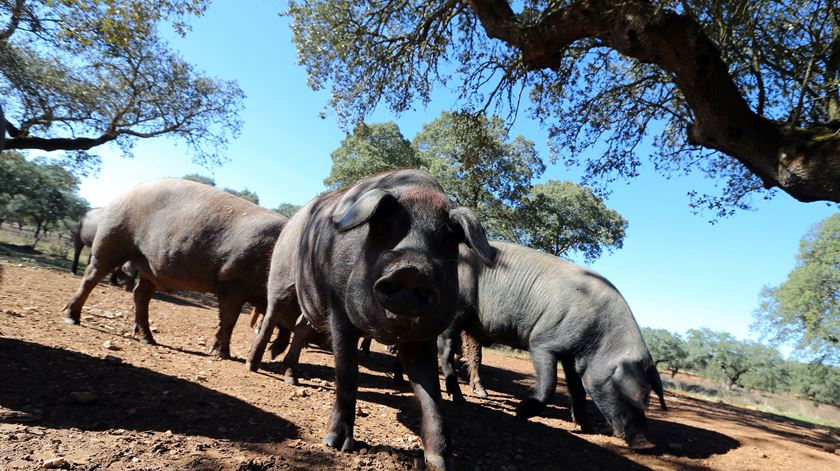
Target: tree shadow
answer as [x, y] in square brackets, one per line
[38, 380]
[784, 427]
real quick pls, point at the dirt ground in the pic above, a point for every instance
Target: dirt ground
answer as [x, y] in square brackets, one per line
[91, 397]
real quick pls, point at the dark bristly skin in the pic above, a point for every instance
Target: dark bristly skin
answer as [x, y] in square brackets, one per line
[378, 260]
[184, 235]
[83, 237]
[558, 311]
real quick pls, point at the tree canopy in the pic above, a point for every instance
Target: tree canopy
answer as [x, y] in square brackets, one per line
[805, 309]
[560, 217]
[484, 168]
[744, 92]
[76, 74]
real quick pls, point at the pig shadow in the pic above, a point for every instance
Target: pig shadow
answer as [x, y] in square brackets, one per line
[485, 432]
[38, 380]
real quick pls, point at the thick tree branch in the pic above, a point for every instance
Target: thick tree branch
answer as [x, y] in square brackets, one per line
[59, 143]
[14, 21]
[803, 163]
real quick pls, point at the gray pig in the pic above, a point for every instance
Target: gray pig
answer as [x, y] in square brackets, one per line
[83, 237]
[557, 311]
[184, 235]
[379, 260]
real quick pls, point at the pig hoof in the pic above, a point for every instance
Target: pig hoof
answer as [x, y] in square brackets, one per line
[290, 380]
[340, 441]
[529, 408]
[148, 341]
[641, 444]
[438, 462]
[72, 320]
[252, 366]
[479, 391]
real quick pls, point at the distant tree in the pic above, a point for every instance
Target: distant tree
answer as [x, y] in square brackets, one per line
[76, 74]
[370, 149]
[805, 309]
[666, 348]
[815, 381]
[739, 363]
[244, 194]
[39, 192]
[562, 218]
[194, 177]
[287, 209]
[478, 163]
[476, 160]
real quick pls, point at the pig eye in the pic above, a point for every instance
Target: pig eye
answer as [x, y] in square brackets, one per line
[390, 224]
[453, 234]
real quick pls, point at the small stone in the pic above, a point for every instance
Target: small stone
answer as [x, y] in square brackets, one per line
[88, 318]
[201, 341]
[83, 397]
[112, 360]
[201, 376]
[56, 463]
[361, 412]
[300, 392]
[110, 346]
[363, 451]
[8, 415]
[762, 454]
[154, 330]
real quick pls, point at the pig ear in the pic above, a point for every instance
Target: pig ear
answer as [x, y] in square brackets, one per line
[473, 232]
[361, 210]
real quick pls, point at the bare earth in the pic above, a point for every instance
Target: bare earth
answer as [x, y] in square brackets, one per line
[91, 397]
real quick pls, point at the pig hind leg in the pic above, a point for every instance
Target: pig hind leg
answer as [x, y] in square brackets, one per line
[447, 344]
[471, 354]
[142, 295]
[280, 304]
[545, 366]
[303, 330]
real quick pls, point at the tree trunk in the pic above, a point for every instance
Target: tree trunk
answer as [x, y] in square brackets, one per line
[805, 163]
[37, 233]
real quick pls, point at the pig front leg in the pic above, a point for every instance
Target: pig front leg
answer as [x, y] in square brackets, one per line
[343, 416]
[419, 362]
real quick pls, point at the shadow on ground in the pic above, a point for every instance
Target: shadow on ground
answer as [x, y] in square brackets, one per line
[38, 380]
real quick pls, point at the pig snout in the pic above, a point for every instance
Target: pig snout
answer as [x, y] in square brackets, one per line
[406, 291]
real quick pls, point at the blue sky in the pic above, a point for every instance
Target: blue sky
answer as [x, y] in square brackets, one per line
[676, 270]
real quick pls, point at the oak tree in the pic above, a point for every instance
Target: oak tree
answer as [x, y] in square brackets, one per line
[744, 92]
[76, 74]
